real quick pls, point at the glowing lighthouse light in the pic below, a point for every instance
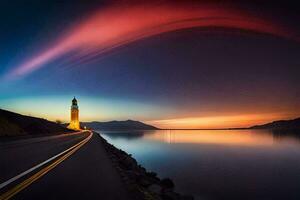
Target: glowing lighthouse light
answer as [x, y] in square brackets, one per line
[74, 123]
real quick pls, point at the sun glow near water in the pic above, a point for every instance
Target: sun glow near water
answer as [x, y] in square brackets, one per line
[224, 121]
[104, 109]
[222, 137]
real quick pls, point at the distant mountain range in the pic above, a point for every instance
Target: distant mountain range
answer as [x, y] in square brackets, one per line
[118, 125]
[293, 124]
[13, 124]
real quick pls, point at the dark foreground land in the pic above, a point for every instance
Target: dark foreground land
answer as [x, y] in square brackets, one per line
[14, 124]
[87, 174]
[97, 170]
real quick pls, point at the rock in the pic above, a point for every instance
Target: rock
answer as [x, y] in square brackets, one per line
[144, 181]
[167, 183]
[170, 195]
[152, 174]
[132, 175]
[139, 181]
[129, 163]
[155, 188]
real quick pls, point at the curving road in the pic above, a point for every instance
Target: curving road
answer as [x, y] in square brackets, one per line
[73, 166]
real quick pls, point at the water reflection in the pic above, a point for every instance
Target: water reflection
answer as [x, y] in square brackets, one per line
[124, 134]
[227, 164]
[282, 135]
[224, 137]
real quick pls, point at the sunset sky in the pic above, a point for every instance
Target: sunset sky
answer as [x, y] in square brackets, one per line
[172, 64]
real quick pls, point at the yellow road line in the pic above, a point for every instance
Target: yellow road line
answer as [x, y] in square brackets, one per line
[7, 182]
[9, 194]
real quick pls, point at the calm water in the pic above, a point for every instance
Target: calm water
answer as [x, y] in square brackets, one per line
[222, 164]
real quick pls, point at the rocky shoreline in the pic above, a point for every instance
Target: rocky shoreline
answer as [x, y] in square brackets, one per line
[143, 185]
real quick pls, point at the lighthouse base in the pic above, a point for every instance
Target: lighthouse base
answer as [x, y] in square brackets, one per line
[74, 126]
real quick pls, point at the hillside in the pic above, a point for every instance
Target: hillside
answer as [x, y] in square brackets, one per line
[280, 125]
[13, 124]
[118, 125]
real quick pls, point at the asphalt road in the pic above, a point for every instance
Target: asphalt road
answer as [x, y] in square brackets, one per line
[86, 174]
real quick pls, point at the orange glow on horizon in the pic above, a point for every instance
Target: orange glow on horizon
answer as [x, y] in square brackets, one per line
[217, 122]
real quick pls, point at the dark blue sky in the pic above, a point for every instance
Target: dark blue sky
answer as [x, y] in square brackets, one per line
[193, 73]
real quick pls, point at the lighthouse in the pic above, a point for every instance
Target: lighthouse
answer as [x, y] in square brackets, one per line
[74, 123]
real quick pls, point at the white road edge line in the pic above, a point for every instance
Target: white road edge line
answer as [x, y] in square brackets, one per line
[2, 185]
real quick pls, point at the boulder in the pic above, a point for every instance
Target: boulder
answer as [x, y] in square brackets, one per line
[170, 196]
[145, 181]
[167, 183]
[129, 163]
[155, 188]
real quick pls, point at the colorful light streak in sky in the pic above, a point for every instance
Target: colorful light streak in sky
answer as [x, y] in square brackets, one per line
[116, 26]
[172, 80]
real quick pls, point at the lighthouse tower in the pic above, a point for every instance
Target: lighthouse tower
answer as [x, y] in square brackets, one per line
[74, 123]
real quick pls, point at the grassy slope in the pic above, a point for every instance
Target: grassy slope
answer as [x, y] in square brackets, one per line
[13, 124]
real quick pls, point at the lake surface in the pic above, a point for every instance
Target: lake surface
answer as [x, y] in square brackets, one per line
[218, 164]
